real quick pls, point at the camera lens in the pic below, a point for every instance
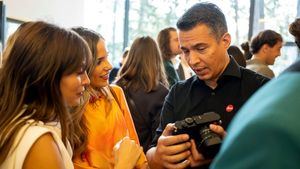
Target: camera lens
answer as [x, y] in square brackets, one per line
[209, 144]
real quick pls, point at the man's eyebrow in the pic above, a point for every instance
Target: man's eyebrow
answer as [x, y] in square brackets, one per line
[182, 47]
[199, 45]
[195, 46]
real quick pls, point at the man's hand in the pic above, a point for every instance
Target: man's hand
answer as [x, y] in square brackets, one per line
[196, 158]
[218, 130]
[171, 150]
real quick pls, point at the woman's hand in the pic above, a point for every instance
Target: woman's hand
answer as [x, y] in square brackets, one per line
[126, 153]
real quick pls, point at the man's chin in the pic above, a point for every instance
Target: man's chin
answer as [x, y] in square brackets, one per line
[203, 77]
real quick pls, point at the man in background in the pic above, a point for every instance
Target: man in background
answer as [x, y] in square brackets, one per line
[265, 48]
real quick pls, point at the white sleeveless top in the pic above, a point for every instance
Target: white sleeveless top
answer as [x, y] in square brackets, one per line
[27, 136]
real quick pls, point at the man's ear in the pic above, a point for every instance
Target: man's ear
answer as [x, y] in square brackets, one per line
[226, 40]
[265, 47]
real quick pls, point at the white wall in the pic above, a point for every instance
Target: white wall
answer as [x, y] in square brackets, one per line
[65, 13]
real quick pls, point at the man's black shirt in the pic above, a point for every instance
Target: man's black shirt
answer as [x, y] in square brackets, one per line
[193, 97]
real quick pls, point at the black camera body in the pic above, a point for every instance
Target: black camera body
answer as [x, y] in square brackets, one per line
[197, 127]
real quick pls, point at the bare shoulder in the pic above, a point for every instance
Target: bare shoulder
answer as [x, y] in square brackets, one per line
[44, 154]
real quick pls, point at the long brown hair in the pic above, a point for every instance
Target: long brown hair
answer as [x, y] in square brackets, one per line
[143, 67]
[9, 43]
[163, 40]
[39, 56]
[92, 38]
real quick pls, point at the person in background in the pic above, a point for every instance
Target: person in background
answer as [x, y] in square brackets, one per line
[184, 71]
[237, 54]
[167, 40]
[144, 82]
[42, 82]
[265, 48]
[294, 29]
[108, 119]
[246, 48]
[265, 133]
[114, 72]
[221, 86]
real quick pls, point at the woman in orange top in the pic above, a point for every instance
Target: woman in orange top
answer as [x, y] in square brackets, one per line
[107, 117]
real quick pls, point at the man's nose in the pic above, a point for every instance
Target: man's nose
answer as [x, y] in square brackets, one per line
[194, 58]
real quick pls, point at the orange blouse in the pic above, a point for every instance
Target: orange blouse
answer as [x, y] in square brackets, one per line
[105, 130]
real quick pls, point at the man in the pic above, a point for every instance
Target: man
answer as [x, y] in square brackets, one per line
[265, 48]
[167, 40]
[220, 85]
[265, 133]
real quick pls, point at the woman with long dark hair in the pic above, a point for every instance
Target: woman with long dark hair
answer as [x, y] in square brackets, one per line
[143, 79]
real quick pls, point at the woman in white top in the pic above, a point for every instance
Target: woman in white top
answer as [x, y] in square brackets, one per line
[42, 83]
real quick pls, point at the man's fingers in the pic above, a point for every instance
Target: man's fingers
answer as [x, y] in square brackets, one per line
[218, 129]
[176, 139]
[168, 129]
[176, 158]
[181, 165]
[168, 139]
[195, 154]
[177, 148]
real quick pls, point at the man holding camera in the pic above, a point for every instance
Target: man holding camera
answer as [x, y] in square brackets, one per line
[220, 86]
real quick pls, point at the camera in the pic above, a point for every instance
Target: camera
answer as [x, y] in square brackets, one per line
[197, 127]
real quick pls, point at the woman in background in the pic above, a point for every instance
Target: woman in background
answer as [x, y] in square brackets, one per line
[144, 82]
[168, 44]
[246, 48]
[108, 118]
[237, 54]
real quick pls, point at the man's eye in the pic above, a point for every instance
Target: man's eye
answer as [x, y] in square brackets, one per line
[185, 51]
[200, 50]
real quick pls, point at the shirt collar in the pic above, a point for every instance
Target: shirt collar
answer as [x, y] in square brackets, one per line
[232, 69]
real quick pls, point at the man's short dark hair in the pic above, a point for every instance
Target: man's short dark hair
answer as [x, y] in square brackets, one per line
[268, 37]
[204, 13]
